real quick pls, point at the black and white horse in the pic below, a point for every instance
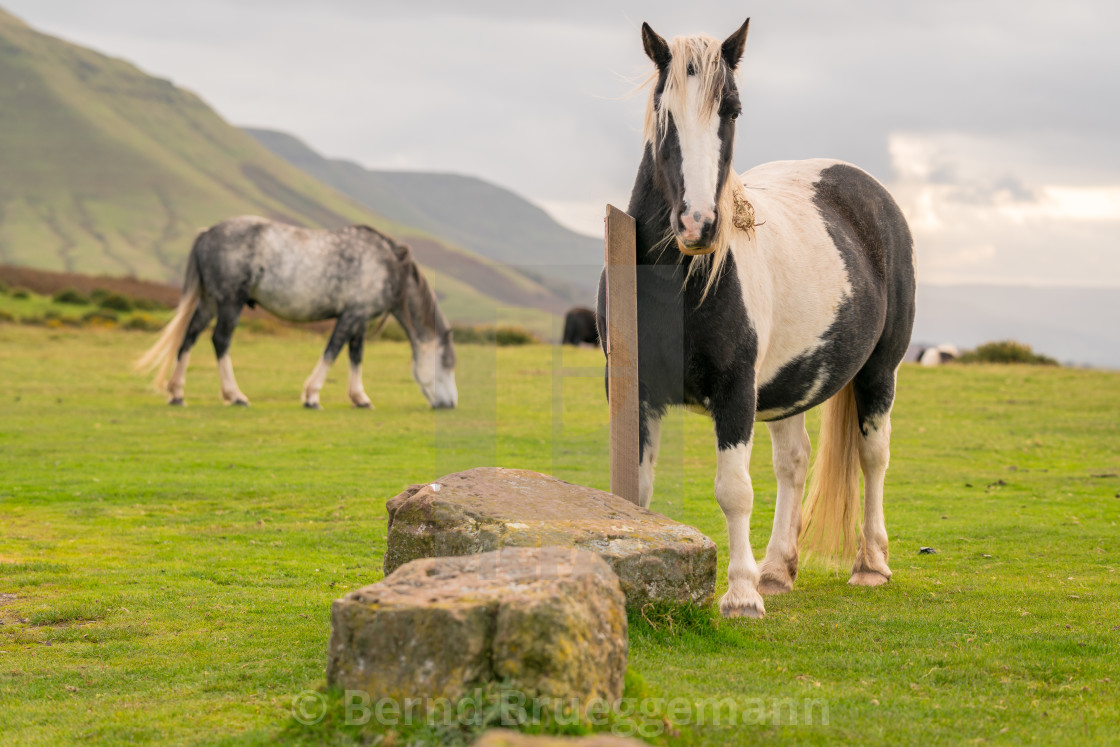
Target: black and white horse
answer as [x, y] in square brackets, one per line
[305, 275]
[762, 316]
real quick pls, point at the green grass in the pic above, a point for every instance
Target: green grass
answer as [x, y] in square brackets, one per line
[166, 573]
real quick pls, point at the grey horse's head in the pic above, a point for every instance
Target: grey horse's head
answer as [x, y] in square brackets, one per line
[433, 367]
[433, 351]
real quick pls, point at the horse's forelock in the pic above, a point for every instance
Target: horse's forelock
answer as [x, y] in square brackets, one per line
[702, 54]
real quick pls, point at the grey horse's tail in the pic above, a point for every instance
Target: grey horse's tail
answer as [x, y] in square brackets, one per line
[162, 354]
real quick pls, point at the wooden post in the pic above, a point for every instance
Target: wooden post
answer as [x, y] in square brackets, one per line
[622, 352]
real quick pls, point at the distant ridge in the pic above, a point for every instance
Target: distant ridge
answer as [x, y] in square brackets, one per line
[107, 170]
[480, 216]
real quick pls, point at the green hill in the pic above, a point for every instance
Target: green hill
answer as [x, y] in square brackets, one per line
[475, 214]
[105, 169]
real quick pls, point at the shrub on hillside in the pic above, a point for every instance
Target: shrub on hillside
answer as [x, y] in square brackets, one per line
[143, 322]
[147, 304]
[1006, 351]
[487, 335]
[71, 296]
[97, 295]
[515, 336]
[53, 320]
[116, 302]
[6, 316]
[100, 317]
[20, 293]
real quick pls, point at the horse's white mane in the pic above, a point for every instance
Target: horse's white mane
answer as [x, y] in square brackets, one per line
[702, 54]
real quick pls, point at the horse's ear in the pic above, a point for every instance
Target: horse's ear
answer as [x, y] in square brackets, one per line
[656, 47]
[733, 47]
[403, 252]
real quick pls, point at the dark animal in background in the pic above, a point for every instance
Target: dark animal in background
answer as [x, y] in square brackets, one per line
[350, 274]
[760, 296]
[579, 327]
[935, 356]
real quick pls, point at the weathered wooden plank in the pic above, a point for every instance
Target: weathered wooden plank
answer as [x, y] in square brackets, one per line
[622, 352]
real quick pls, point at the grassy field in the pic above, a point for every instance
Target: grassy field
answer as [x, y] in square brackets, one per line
[166, 573]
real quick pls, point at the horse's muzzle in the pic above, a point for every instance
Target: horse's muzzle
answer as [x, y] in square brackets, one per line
[695, 231]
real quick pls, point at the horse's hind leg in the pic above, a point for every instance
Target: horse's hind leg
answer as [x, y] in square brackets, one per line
[357, 391]
[791, 464]
[874, 392]
[344, 329]
[228, 314]
[176, 385]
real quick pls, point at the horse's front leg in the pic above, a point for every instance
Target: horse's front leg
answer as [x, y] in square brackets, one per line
[734, 430]
[791, 465]
[649, 434]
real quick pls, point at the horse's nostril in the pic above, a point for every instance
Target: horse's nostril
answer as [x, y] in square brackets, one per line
[696, 216]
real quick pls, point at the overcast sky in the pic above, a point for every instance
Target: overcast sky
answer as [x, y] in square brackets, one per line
[996, 123]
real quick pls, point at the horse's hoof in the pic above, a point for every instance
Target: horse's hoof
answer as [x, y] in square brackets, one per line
[774, 584]
[176, 402]
[742, 604]
[312, 406]
[364, 405]
[868, 578]
[241, 403]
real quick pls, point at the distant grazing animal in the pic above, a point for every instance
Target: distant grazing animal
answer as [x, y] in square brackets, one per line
[305, 275]
[935, 356]
[579, 327]
[763, 314]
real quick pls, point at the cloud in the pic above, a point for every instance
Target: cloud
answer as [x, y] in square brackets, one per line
[986, 224]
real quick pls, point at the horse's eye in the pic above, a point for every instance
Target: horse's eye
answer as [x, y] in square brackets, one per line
[691, 69]
[735, 114]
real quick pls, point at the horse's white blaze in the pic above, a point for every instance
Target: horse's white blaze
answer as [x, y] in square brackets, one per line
[230, 391]
[700, 150]
[791, 452]
[315, 381]
[792, 275]
[649, 461]
[735, 496]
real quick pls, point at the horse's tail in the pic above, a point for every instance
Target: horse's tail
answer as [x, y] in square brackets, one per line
[160, 356]
[830, 514]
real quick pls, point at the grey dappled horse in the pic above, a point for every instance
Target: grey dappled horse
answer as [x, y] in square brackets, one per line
[305, 275]
[761, 295]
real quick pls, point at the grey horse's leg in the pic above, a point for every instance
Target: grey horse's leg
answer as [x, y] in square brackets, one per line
[228, 314]
[176, 385]
[344, 330]
[357, 391]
